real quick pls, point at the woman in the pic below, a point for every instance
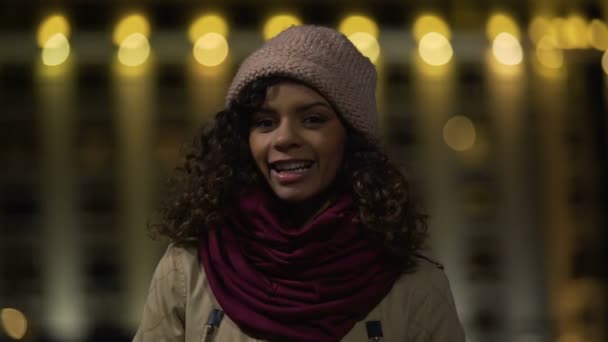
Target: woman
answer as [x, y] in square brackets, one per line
[288, 222]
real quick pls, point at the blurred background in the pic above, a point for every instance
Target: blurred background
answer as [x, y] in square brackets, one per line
[495, 109]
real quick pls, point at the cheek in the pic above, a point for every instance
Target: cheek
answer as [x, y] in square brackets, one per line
[334, 155]
[256, 150]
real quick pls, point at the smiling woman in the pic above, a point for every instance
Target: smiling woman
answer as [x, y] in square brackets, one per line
[297, 142]
[287, 220]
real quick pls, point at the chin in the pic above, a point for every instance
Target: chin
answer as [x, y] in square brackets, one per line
[293, 196]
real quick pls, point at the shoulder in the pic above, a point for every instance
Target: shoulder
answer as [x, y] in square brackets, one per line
[172, 268]
[424, 297]
[424, 282]
[181, 259]
[427, 278]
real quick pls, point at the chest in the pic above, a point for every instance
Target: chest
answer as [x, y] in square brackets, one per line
[202, 323]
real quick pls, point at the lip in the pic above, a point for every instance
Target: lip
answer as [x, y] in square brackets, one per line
[285, 178]
[289, 160]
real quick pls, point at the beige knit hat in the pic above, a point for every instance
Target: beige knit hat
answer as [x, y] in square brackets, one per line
[325, 60]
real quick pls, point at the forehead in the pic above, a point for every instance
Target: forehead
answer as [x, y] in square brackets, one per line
[290, 93]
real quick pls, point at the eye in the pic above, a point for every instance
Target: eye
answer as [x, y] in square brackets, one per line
[263, 123]
[314, 119]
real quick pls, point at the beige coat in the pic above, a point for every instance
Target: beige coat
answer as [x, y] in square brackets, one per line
[419, 307]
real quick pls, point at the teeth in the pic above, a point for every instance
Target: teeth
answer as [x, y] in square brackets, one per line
[294, 166]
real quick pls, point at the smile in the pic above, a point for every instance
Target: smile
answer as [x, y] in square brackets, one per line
[290, 172]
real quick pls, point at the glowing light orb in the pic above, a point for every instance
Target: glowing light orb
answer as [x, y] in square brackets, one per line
[430, 23]
[548, 54]
[279, 23]
[435, 49]
[206, 24]
[131, 24]
[499, 23]
[134, 50]
[50, 27]
[211, 49]
[459, 133]
[56, 50]
[506, 49]
[358, 23]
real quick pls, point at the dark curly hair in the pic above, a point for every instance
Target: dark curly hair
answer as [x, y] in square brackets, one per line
[218, 164]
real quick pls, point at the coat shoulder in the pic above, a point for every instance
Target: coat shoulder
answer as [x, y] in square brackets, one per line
[424, 298]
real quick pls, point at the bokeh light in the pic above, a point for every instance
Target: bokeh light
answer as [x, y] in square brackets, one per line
[549, 54]
[430, 23]
[597, 35]
[130, 25]
[279, 23]
[211, 49]
[358, 23]
[459, 133]
[206, 24]
[605, 62]
[574, 32]
[558, 26]
[134, 50]
[571, 33]
[366, 44]
[507, 49]
[56, 50]
[50, 27]
[539, 28]
[435, 49]
[14, 323]
[501, 23]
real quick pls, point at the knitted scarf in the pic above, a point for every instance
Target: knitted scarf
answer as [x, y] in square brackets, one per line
[286, 283]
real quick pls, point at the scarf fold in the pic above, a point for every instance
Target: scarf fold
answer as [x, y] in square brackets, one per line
[284, 283]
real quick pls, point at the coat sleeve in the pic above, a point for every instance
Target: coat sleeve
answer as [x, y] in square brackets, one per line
[434, 316]
[164, 311]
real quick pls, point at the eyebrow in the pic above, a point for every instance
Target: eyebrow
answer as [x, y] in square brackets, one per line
[299, 109]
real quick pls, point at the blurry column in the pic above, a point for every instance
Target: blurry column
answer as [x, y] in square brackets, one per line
[568, 102]
[60, 243]
[135, 117]
[434, 102]
[207, 87]
[518, 222]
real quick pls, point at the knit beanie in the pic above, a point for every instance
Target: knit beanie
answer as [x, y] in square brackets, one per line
[325, 60]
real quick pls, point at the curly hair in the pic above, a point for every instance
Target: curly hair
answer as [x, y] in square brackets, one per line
[218, 164]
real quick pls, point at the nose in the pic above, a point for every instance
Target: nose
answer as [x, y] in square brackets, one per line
[286, 137]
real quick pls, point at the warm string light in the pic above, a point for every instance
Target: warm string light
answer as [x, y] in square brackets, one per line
[433, 37]
[52, 37]
[278, 23]
[504, 33]
[131, 35]
[572, 32]
[597, 35]
[209, 37]
[549, 54]
[211, 49]
[206, 24]
[363, 32]
[553, 35]
[499, 23]
[507, 49]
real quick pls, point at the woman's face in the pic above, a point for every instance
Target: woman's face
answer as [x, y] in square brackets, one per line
[297, 141]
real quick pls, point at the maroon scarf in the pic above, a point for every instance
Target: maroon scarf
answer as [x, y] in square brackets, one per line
[311, 283]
